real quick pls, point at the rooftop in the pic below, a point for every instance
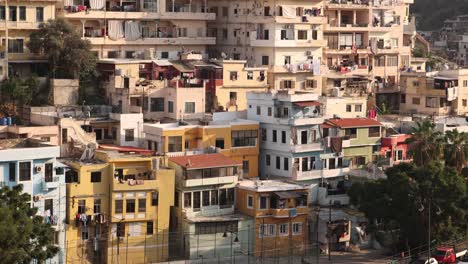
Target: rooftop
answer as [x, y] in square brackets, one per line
[202, 161]
[269, 185]
[353, 122]
[21, 143]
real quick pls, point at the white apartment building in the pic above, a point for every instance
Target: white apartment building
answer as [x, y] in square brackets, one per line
[141, 29]
[284, 36]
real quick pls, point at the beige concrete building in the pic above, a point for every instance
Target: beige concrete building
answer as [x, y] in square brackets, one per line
[238, 79]
[17, 20]
[437, 93]
[284, 36]
[141, 29]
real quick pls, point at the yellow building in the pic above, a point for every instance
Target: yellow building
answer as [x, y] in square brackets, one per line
[436, 93]
[235, 138]
[237, 81]
[18, 19]
[127, 198]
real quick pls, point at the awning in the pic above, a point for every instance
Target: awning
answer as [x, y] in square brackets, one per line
[162, 62]
[307, 103]
[287, 195]
[445, 78]
[182, 68]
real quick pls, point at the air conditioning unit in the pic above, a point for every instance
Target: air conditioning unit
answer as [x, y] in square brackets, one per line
[38, 169]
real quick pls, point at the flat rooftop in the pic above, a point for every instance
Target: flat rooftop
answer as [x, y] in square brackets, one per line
[269, 185]
[21, 144]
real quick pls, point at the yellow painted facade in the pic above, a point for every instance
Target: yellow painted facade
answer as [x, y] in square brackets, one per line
[136, 195]
[21, 19]
[237, 81]
[202, 137]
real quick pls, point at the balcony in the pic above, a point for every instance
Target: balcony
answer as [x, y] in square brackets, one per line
[335, 27]
[26, 25]
[306, 120]
[345, 4]
[210, 181]
[154, 41]
[287, 212]
[144, 15]
[320, 174]
[259, 41]
[51, 183]
[297, 148]
[140, 183]
[301, 20]
[186, 83]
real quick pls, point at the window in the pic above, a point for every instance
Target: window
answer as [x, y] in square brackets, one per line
[297, 228]
[142, 205]
[379, 61]
[403, 98]
[187, 200]
[465, 83]
[149, 227]
[278, 162]
[283, 137]
[250, 201]
[175, 144]
[129, 135]
[233, 95]
[267, 230]
[249, 75]
[196, 201]
[189, 107]
[164, 55]
[225, 33]
[416, 100]
[392, 61]
[464, 102]
[84, 233]
[244, 138]
[269, 111]
[214, 197]
[287, 60]
[81, 206]
[12, 171]
[39, 14]
[25, 171]
[275, 137]
[286, 164]
[206, 198]
[302, 34]
[311, 84]
[48, 172]
[263, 203]
[154, 198]
[351, 132]
[130, 206]
[348, 108]
[120, 229]
[263, 133]
[374, 131]
[97, 206]
[233, 76]
[118, 206]
[220, 143]
[431, 102]
[225, 11]
[2, 13]
[13, 14]
[259, 110]
[265, 60]
[15, 45]
[49, 205]
[283, 229]
[157, 104]
[268, 160]
[245, 167]
[170, 106]
[358, 108]
[287, 84]
[96, 176]
[22, 13]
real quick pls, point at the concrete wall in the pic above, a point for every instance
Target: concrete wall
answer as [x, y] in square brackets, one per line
[65, 91]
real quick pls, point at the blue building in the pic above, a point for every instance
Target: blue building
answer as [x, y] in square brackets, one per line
[34, 165]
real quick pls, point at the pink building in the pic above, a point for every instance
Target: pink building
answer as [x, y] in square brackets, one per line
[396, 148]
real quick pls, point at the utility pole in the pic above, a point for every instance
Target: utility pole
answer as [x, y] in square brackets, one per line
[6, 39]
[248, 244]
[126, 251]
[429, 233]
[329, 231]
[317, 235]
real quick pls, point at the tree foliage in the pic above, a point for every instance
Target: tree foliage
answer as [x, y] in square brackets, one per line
[69, 56]
[23, 235]
[432, 13]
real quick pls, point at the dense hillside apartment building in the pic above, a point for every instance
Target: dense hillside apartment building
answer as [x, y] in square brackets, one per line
[141, 29]
[17, 20]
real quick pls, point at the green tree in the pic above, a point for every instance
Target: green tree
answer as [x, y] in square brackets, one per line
[21, 91]
[23, 235]
[401, 202]
[456, 149]
[426, 144]
[69, 56]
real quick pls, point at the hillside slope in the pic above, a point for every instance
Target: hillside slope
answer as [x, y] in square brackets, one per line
[432, 13]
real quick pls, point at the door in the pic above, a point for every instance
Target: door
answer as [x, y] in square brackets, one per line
[304, 137]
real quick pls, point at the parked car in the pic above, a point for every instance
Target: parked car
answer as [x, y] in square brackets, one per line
[464, 259]
[448, 255]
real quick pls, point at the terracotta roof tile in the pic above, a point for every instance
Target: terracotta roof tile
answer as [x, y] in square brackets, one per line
[353, 122]
[204, 161]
